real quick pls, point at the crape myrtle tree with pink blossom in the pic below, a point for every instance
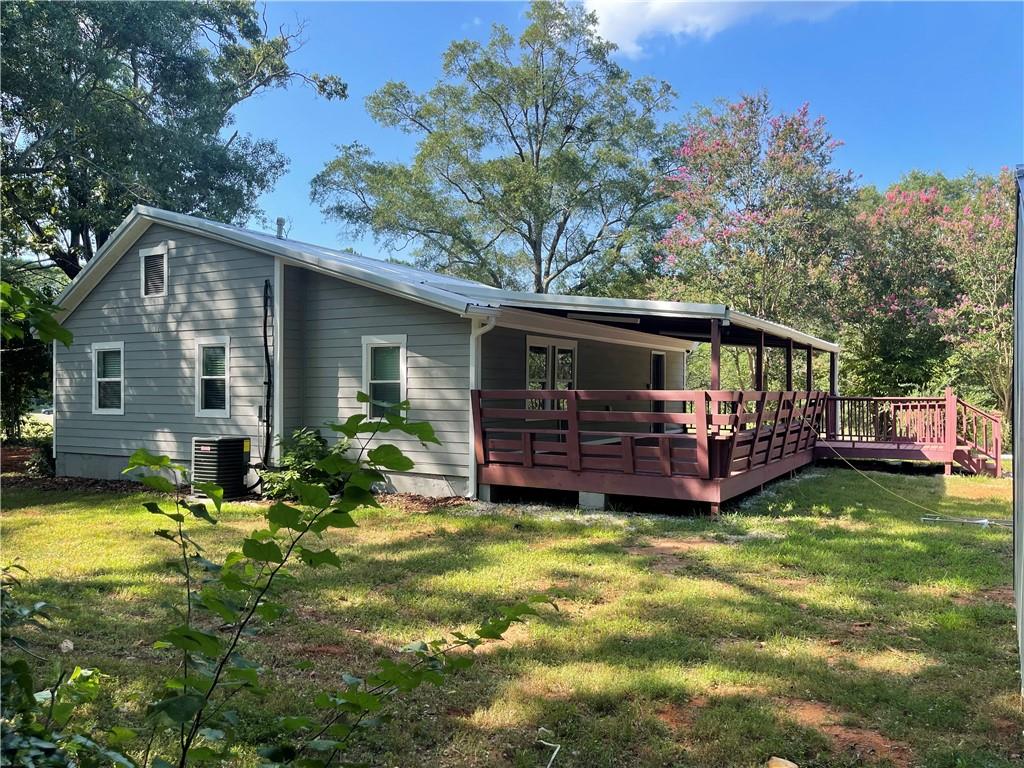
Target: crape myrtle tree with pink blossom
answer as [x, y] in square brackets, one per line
[762, 216]
[889, 292]
[979, 239]
[927, 300]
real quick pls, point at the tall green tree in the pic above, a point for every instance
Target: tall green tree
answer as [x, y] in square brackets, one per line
[538, 162]
[106, 105]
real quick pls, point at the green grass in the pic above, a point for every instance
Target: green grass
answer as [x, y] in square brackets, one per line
[821, 621]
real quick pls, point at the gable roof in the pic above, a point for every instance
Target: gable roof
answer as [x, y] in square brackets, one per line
[454, 294]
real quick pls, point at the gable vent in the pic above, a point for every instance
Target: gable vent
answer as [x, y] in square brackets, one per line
[154, 281]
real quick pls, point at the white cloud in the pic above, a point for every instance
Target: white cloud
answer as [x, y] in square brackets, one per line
[627, 22]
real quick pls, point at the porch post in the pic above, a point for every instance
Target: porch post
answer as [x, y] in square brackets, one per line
[759, 364]
[833, 391]
[716, 354]
[951, 427]
[810, 368]
[789, 365]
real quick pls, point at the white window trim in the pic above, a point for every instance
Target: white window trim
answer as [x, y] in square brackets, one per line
[143, 253]
[213, 341]
[392, 340]
[97, 347]
[551, 341]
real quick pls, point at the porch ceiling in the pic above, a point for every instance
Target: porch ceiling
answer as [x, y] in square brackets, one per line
[743, 331]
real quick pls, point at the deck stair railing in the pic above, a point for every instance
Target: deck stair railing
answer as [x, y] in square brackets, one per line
[963, 433]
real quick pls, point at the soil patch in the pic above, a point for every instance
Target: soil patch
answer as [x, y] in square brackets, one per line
[862, 743]
[411, 502]
[71, 484]
[668, 552]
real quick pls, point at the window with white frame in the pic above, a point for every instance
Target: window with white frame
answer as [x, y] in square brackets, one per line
[383, 372]
[108, 377]
[153, 271]
[550, 364]
[213, 377]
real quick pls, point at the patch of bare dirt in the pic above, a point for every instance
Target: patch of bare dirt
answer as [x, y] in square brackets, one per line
[863, 743]
[680, 718]
[669, 552]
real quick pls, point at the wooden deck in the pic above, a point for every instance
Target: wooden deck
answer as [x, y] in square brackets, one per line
[943, 430]
[695, 445]
[710, 445]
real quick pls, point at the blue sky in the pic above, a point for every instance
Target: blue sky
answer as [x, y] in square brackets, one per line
[935, 86]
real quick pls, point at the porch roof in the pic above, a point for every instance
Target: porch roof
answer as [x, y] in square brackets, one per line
[682, 320]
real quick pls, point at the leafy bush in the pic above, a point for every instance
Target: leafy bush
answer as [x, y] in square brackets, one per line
[190, 721]
[301, 454]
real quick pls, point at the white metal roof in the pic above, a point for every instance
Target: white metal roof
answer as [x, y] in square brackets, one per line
[454, 294]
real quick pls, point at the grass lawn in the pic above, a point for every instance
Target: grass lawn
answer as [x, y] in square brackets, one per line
[821, 622]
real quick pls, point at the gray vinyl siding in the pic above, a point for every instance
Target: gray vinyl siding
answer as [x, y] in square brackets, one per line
[213, 289]
[337, 315]
[293, 386]
[599, 365]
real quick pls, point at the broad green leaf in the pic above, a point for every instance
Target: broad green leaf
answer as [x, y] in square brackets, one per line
[192, 640]
[354, 497]
[332, 519]
[349, 427]
[198, 509]
[211, 601]
[335, 464]
[297, 723]
[366, 477]
[214, 491]
[177, 709]
[270, 611]
[390, 457]
[155, 508]
[157, 483]
[283, 516]
[262, 551]
[315, 559]
[213, 734]
[310, 494]
[119, 735]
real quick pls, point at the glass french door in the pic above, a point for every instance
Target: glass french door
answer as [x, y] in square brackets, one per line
[550, 364]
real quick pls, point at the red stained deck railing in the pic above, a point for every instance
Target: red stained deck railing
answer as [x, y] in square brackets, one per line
[703, 434]
[944, 429]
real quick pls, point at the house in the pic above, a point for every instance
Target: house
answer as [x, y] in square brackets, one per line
[186, 328]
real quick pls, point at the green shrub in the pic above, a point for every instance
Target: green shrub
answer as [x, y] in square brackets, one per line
[301, 454]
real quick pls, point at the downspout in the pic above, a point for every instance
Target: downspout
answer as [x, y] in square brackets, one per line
[477, 329]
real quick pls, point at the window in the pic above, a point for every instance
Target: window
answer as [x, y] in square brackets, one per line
[550, 364]
[213, 379]
[108, 378]
[383, 371]
[153, 269]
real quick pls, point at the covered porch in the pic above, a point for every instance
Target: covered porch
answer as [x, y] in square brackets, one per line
[594, 398]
